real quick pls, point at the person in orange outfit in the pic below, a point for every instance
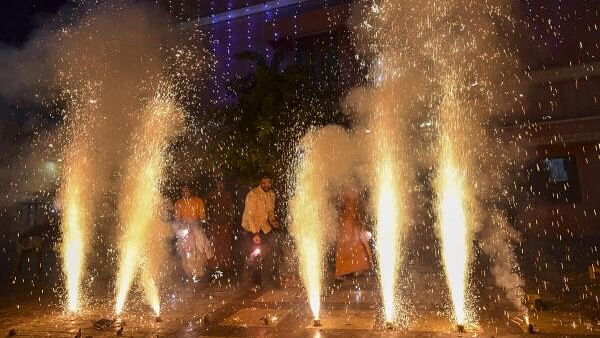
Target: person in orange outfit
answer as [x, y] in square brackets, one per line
[353, 254]
[189, 207]
[192, 244]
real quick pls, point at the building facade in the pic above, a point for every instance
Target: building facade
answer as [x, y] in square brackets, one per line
[560, 127]
[299, 30]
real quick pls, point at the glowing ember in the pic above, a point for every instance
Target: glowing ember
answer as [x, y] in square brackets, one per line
[138, 210]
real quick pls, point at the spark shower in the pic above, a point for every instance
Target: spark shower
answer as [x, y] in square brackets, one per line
[429, 70]
[436, 69]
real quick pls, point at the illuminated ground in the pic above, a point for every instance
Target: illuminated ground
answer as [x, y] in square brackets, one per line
[569, 305]
[213, 311]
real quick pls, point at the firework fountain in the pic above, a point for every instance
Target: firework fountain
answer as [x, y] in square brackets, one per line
[384, 118]
[138, 211]
[121, 117]
[448, 64]
[471, 92]
[467, 101]
[77, 193]
[76, 222]
[455, 228]
[307, 231]
[311, 211]
[387, 205]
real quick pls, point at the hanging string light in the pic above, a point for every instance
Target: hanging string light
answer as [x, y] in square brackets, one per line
[249, 31]
[295, 25]
[229, 40]
[214, 43]
[330, 49]
[275, 21]
[268, 16]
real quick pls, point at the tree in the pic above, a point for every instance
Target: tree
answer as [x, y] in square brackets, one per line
[274, 108]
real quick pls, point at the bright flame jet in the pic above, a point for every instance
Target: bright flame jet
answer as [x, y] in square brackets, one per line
[452, 202]
[453, 229]
[385, 130]
[387, 230]
[307, 232]
[142, 197]
[309, 217]
[75, 226]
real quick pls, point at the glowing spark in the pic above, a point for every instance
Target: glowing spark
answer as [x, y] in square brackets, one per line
[452, 203]
[74, 226]
[142, 199]
[387, 230]
[307, 229]
[453, 230]
[151, 290]
[309, 248]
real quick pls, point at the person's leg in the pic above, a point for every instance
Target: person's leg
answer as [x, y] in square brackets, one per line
[186, 249]
[276, 245]
[257, 256]
[267, 258]
[251, 260]
[278, 242]
[257, 271]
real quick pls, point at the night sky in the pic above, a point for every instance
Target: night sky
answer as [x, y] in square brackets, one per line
[19, 17]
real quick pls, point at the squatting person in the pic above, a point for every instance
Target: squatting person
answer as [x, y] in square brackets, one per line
[259, 220]
[192, 243]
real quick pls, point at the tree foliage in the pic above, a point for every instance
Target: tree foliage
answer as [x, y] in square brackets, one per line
[274, 107]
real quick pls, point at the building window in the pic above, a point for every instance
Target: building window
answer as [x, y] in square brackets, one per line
[556, 179]
[556, 169]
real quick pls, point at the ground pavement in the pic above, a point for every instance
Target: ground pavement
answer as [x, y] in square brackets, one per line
[350, 309]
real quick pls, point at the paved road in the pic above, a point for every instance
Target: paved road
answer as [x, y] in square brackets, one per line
[202, 310]
[31, 305]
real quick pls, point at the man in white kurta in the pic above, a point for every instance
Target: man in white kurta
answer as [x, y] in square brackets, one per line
[259, 220]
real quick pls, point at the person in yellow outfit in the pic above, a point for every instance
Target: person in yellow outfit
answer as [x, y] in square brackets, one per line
[192, 244]
[189, 207]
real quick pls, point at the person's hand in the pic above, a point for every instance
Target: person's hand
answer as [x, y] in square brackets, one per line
[256, 239]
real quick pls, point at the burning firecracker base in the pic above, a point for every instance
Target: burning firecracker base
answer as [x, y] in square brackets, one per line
[240, 311]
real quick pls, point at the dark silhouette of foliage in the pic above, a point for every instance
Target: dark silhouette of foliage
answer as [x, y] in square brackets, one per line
[274, 107]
